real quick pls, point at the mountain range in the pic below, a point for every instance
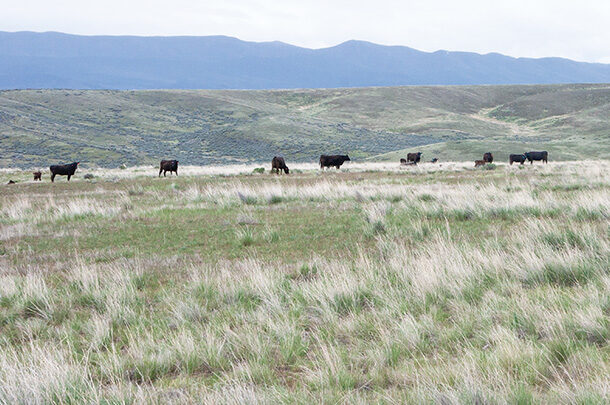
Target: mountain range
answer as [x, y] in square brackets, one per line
[57, 60]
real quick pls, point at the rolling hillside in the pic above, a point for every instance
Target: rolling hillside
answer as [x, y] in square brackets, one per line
[56, 60]
[108, 128]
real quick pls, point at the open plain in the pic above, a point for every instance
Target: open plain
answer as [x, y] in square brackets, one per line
[429, 284]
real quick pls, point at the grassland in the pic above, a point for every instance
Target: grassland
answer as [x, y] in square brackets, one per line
[433, 284]
[110, 128]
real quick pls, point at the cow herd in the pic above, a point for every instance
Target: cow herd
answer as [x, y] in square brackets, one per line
[278, 164]
[414, 158]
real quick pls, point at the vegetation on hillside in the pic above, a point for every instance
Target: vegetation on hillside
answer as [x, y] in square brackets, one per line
[110, 128]
[436, 283]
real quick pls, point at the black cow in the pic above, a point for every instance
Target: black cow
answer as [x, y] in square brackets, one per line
[531, 156]
[434, 160]
[63, 170]
[414, 157]
[403, 161]
[333, 160]
[519, 158]
[168, 166]
[488, 157]
[278, 163]
[37, 175]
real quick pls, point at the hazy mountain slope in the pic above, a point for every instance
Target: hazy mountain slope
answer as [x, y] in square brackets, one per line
[107, 128]
[55, 60]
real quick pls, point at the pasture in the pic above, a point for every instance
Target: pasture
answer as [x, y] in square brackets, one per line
[429, 284]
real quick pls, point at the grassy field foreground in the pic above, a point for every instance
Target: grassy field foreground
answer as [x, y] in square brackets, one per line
[440, 284]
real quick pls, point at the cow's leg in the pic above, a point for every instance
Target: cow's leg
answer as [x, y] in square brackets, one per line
[164, 171]
[69, 177]
[176, 172]
[160, 170]
[52, 177]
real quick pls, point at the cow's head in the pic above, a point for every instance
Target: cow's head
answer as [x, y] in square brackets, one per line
[286, 170]
[347, 158]
[77, 163]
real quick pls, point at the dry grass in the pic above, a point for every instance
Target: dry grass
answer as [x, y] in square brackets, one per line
[377, 284]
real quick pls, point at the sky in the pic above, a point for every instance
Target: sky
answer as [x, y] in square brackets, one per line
[578, 30]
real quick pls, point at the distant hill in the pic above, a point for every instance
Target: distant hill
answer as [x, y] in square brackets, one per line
[110, 127]
[55, 60]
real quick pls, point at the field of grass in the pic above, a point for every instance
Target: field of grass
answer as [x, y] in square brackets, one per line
[109, 128]
[429, 284]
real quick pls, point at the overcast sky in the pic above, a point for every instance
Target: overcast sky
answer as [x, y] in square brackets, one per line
[577, 30]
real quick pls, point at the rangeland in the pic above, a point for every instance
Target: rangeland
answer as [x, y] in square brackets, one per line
[211, 127]
[432, 283]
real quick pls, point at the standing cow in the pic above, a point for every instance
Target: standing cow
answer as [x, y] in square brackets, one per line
[488, 157]
[63, 170]
[414, 157]
[278, 163]
[478, 163]
[531, 156]
[333, 160]
[168, 166]
[38, 175]
[519, 158]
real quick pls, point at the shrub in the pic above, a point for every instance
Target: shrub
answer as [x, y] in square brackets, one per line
[258, 170]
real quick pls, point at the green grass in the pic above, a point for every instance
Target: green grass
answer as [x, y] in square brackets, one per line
[448, 285]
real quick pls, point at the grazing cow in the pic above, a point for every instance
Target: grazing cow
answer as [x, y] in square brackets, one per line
[63, 170]
[168, 166]
[434, 160]
[519, 158]
[414, 157]
[478, 163]
[38, 176]
[278, 163]
[531, 156]
[403, 161]
[333, 160]
[488, 157]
